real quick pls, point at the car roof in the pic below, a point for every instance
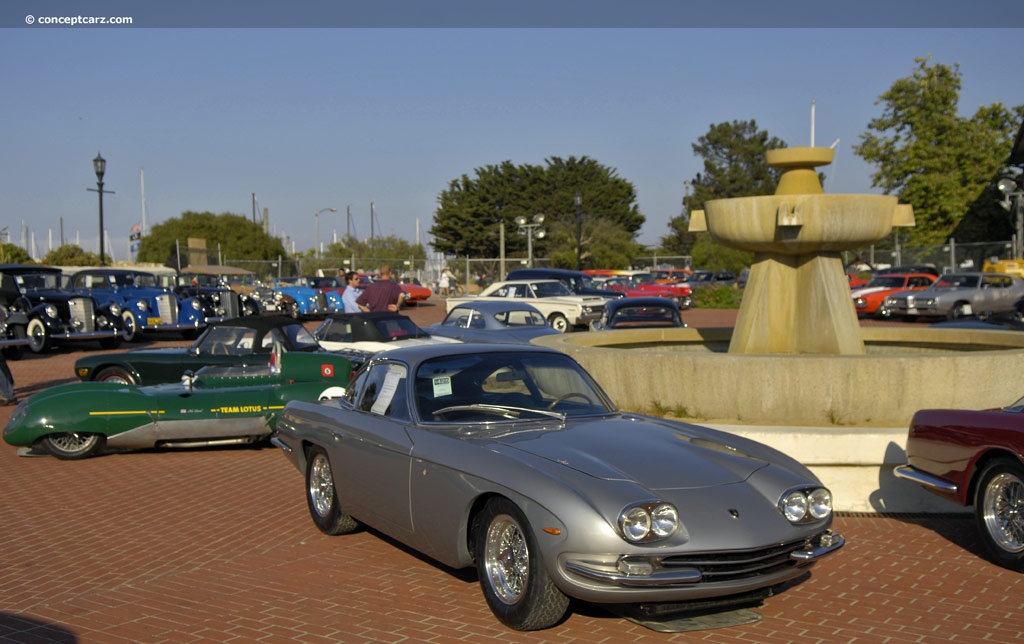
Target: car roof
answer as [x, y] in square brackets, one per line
[417, 354]
[633, 302]
[113, 271]
[261, 323]
[27, 268]
[565, 272]
[495, 306]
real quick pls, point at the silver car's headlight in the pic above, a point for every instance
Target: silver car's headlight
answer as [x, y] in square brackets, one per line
[50, 310]
[806, 504]
[649, 521]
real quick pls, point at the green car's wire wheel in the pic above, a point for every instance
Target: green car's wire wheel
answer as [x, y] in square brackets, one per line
[74, 445]
[117, 375]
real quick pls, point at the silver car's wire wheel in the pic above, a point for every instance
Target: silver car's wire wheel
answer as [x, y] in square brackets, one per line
[507, 559]
[321, 485]
[1003, 511]
[321, 497]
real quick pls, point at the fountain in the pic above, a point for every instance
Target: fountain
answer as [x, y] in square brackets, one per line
[798, 371]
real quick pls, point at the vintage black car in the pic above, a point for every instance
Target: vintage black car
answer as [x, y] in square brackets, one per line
[218, 299]
[13, 324]
[57, 314]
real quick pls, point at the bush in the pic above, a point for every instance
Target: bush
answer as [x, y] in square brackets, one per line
[717, 297]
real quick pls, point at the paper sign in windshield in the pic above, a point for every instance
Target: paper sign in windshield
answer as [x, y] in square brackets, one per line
[442, 386]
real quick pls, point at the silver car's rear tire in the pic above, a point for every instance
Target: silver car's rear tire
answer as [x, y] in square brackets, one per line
[73, 445]
[321, 497]
[515, 584]
[999, 512]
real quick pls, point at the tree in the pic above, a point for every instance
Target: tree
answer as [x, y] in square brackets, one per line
[236, 235]
[14, 254]
[734, 166]
[470, 210]
[71, 255]
[370, 253]
[942, 164]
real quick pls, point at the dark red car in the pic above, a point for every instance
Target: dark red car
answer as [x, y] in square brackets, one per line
[975, 458]
[644, 285]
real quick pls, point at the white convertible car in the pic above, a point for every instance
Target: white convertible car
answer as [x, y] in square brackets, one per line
[562, 309]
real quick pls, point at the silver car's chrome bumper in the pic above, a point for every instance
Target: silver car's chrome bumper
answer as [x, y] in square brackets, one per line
[923, 478]
[822, 545]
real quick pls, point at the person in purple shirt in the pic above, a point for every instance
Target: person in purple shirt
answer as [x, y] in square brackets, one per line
[382, 294]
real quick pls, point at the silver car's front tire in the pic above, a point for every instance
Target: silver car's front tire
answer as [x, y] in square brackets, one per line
[515, 584]
[321, 497]
[999, 512]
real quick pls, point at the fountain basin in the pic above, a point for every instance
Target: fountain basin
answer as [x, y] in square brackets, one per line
[800, 224]
[843, 416]
[686, 372]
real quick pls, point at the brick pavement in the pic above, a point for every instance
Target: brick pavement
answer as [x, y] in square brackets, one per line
[217, 545]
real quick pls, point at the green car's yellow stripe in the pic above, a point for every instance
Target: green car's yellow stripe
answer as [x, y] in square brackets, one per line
[126, 412]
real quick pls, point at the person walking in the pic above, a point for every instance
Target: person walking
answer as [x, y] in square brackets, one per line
[7, 396]
[445, 283]
[383, 294]
[351, 292]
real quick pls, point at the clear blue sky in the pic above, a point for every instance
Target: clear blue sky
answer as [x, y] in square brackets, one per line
[310, 118]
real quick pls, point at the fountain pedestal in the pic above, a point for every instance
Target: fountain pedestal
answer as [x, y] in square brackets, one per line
[797, 298]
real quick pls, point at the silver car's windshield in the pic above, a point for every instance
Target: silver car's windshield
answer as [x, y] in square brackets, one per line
[479, 387]
[957, 281]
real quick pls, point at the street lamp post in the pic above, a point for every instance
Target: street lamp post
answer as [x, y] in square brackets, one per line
[578, 200]
[99, 165]
[316, 219]
[1013, 201]
[530, 229]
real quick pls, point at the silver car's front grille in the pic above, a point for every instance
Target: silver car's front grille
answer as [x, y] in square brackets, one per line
[167, 307]
[736, 565]
[83, 316]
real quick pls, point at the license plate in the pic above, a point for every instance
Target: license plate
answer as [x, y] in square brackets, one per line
[155, 321]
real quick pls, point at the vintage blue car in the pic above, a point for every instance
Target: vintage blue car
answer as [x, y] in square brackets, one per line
[215, 406]
[513, 460]
[501, 321]
[145, 306]
[299, 298]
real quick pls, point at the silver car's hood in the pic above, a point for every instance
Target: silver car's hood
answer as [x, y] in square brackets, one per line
[656, 456]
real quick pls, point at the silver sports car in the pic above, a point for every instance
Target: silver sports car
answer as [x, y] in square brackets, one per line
[512, 459]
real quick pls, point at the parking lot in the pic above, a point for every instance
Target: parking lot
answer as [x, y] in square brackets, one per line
[217, 544]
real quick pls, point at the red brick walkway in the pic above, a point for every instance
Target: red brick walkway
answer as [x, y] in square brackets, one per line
[217, 545]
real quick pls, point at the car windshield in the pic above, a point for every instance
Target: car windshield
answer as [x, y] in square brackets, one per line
[887, 282]
[520, 318]
[32, 281]
[644, 316]
[488, 387]
[550, 289]
[957, 281]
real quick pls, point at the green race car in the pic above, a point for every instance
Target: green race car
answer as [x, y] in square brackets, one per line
[216, 405]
